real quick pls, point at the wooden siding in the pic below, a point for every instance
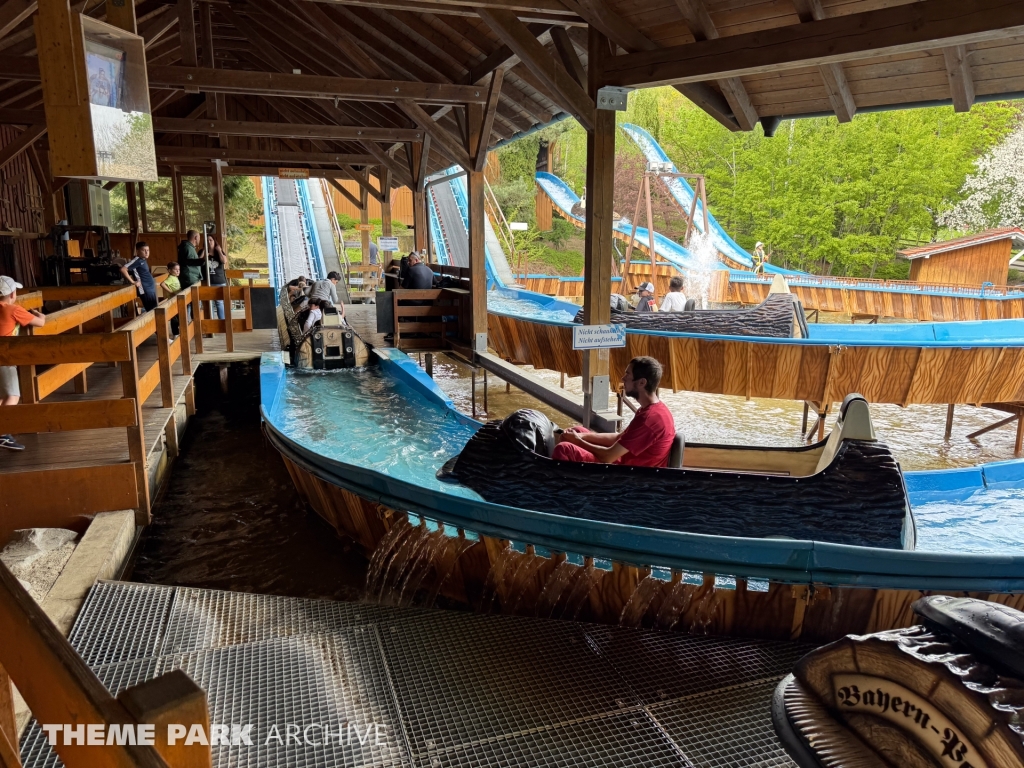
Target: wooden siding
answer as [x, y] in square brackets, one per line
[21, 207]
[973, 265]
[401, 203]
[814, 372]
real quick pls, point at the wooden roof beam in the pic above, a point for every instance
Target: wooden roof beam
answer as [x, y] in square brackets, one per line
[313, 86]
[20, 143]
[346, 194]
[567, 53]
[627, 37]
[447, 143]
[922, 26]
[833, 75]
[156, 27]
[544, 11]
[515, 34]
[400, 173]
[703, 28]
[484, 140]
[13, 12]
[180, 155]
[961, 82]
[279, 130]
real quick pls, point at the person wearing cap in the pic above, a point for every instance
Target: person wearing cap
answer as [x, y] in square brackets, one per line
[645, 294]
[418, 276]
[12, 319]
[760, 258]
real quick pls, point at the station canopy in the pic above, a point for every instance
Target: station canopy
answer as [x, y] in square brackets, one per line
[339, 87]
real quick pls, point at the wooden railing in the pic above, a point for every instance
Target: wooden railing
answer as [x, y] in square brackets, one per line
[430, 319]
[60, 689]
[49, 359]
[854, 283]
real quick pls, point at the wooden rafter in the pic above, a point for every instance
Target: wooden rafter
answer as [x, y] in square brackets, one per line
[931, 25]
[703, 28]
[345, 193]
[487, 120]
[271, 129]
[961, 82]
[626, 36]
[544, 11]
[24, 140]
[567, 53]
[572, 98]
[832, 75]
[13, 12]
[181, 155]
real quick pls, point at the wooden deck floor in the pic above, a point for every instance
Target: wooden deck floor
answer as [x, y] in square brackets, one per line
[107, 446]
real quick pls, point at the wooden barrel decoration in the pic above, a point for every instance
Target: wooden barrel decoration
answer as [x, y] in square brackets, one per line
[946, 693]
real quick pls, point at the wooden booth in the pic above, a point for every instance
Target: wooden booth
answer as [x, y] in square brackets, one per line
[973, 260]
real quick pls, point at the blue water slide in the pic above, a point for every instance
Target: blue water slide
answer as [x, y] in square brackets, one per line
[310, 231]
[273, 236]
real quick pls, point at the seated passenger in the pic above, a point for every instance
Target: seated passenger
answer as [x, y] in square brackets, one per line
[648, 438]
[313, 315]
[675, 300]
[646, 298]
[419, 276]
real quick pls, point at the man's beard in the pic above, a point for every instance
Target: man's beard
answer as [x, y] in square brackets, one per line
[633, 392]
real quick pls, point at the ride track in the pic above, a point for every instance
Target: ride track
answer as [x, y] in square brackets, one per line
[876, 298]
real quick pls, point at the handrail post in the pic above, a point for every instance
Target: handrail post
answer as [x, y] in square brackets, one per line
[184, 334]
[137, 434]
[229, 332]
[197, 318]
[163, 352]
[247, 300]
[8, 724]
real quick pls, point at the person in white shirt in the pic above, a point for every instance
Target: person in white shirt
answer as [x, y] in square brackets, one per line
[674, 300]
[314, 316]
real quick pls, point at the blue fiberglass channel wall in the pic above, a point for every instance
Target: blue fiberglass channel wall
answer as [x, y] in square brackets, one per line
[780, 560]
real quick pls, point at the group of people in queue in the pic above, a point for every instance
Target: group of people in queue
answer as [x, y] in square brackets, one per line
[311, 300]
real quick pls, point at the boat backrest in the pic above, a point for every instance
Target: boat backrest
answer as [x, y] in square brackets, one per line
[690, 305]
[675, 453]
[854, 423]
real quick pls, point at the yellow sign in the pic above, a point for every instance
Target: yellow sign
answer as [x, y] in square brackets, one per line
[293, 173]
[364, 227]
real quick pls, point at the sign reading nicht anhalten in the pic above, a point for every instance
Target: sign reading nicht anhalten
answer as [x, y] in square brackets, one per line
[599, 336]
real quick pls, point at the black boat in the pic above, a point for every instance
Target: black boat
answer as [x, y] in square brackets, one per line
[778, 316]
[846, 489]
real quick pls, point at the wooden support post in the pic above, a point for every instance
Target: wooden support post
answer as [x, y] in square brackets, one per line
[184, 335]
[485, 391]
[477, 258]
[384, 175]
[420, 218]
[429, 367]
[364, 219]
[219, 217]
[164, 357]
[143, 215]
[949, 421]
[597, 247]
[247, 301]
[197, 318]
[229, 332]
[1018, 439]
[803, 424]
[27, 383]
[137, 434]
[178, 196]
[81, 381]
[133, 213]
[190, 398]
[472, 384]
[8, 724]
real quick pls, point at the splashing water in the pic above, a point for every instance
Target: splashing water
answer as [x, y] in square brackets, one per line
[705, 262]
[636, 607]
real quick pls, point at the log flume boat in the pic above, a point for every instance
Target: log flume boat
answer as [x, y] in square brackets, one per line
[778, 316]
[948, 691]
[846, 489]
[325, 347]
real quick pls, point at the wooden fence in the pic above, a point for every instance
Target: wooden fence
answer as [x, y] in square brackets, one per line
[68, 487]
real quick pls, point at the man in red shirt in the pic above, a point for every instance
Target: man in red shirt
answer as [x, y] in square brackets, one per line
[648, 438]
[12, 319]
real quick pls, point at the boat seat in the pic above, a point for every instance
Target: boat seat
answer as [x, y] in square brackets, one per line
[675, 453]
[690, 305]
[854, 423]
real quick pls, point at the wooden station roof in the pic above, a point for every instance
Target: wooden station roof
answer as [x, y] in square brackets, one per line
[340, 87]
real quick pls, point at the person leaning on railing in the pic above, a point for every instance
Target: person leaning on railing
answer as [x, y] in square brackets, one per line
[171, 286]
[188, 259]
[12, 319]
[137, 273]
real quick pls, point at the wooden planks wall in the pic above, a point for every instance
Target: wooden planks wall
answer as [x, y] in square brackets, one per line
[974, 265]
[818, 373]
[20, 207]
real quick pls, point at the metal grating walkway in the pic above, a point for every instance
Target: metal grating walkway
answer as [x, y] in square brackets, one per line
[446, 689]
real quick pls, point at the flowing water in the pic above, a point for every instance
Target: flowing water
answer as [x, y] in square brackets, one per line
[705, 256]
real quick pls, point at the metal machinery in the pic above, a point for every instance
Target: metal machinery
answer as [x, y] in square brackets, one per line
[95, 266]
